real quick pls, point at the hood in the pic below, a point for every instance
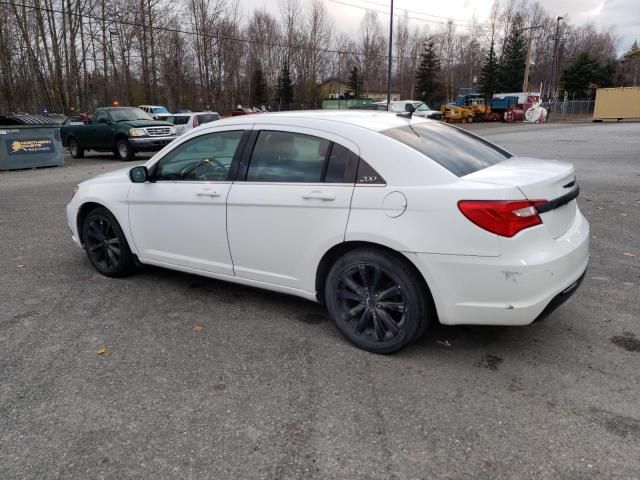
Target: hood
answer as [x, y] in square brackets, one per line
[117, 176]
[145, 123]
[426, 113]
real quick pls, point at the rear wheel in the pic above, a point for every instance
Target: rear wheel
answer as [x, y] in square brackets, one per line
[75, 149]
[105, 243]
[376, 301]
[124, 151]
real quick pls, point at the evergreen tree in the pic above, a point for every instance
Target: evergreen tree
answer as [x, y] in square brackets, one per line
[259, 88]
[355, 82]
[634, 47]
[512, 64]
[489, 75]
[285, 87]
[577, 76]
[426, 76]
[585, 74]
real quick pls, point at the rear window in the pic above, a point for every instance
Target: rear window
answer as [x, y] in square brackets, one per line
[178, 119]
[208, 117]
[456, 150]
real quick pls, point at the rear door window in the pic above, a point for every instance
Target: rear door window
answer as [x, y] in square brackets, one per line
[287, 157]
[456, 150]
[342, 165]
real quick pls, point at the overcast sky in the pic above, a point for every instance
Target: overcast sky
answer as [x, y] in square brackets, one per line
[624, 15]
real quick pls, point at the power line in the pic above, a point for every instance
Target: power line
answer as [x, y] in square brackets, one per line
[416, 12]
[441, 20]
[217, 37]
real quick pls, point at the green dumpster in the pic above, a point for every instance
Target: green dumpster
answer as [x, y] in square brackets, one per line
[29, 141]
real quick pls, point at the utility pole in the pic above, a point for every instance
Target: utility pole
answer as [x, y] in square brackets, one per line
[390, 56]
[554, 65]
[525, 84]
[339, 79]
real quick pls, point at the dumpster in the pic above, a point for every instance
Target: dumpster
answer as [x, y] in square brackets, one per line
[29, 141]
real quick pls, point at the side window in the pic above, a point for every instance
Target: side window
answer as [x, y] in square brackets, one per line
[367, 175]
[101, 117]
[287, 157]
[206, 158]
[342, 165]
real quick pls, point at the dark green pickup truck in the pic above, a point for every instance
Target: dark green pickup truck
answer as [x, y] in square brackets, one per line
[121, 130]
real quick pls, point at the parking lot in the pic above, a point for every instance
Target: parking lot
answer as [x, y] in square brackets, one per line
[204, 379]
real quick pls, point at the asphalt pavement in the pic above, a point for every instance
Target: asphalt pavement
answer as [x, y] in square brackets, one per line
[201, 379]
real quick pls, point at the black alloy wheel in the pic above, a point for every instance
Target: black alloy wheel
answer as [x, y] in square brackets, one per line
[376, 301]
[105, 243]
[371, 302]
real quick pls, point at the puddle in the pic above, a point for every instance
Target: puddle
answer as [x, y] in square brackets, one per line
[628, 341]
[490, 361]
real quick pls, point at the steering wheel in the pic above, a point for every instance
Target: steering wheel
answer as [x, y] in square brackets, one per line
[212, 164]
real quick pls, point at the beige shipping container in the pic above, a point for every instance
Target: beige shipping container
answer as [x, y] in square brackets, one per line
[617, 103]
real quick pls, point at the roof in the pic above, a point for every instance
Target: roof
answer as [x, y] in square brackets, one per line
[373, 120]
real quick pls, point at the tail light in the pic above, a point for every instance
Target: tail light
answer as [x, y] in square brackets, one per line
[502, 217]
[196, 122]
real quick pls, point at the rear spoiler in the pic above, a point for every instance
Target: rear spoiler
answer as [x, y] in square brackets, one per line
[560, 201]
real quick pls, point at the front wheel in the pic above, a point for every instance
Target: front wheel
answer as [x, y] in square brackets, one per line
[105, 243]
[376, 301]
[124, 151]
[75, 149]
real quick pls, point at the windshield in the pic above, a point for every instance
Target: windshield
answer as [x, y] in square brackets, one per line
[421, 107]
[160, 110]
[127, 114]
[458, 151]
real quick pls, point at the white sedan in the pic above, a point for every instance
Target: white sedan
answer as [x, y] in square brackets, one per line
[391, 223]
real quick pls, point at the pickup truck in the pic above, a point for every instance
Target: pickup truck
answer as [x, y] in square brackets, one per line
[121, 130]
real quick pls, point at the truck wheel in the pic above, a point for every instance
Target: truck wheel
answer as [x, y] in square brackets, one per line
[75, 149]
[124, 151]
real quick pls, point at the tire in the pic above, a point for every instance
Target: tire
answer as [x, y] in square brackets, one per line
[75, 149]
[105, 244]
[377, 301]
[124, 151]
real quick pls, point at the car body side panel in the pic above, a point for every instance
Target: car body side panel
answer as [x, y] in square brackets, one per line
[431, 223]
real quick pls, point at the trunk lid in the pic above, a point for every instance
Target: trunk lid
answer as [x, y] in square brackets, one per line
[550, 180]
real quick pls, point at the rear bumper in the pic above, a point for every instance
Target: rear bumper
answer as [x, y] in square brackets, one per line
[512, 289]
[562, 297]
[150, 144]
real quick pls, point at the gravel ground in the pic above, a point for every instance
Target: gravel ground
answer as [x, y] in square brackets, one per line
[206, 380]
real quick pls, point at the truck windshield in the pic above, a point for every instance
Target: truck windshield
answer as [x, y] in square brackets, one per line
[128, 114]
[456, 150]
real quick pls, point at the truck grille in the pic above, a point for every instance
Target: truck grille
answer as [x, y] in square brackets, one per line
[158, 131]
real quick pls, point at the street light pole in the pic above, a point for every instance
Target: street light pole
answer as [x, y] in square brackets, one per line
[390, 56]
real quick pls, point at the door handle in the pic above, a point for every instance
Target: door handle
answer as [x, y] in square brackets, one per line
[318, 195]
[208, 193]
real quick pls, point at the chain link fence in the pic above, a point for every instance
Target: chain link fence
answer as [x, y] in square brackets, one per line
[566, 109]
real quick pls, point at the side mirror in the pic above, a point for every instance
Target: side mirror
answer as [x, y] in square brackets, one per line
[139, 174]
[409, 107]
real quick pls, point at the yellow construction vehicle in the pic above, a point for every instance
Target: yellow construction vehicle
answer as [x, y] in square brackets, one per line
[472, 107]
